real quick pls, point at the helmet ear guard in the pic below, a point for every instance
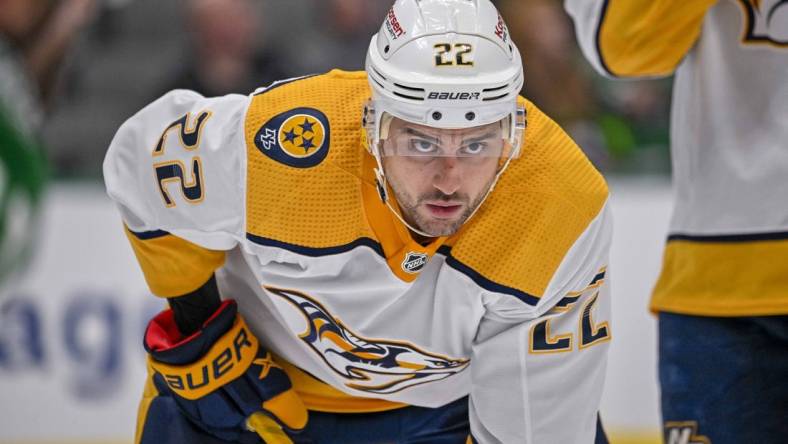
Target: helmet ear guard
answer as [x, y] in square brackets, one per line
[372, 139]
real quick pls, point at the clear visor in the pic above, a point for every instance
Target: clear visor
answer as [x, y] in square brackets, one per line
[406, 139]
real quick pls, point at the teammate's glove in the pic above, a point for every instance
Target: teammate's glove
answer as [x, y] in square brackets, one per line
[222, 379]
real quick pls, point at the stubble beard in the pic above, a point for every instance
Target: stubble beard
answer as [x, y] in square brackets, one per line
[436, 227]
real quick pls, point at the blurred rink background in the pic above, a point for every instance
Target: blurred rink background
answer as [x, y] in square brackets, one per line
[73, 302]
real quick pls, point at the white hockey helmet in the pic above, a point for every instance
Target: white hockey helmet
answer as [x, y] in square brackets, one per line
[445, 64]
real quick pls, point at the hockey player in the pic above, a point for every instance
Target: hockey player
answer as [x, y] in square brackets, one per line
[392, 251]
[722, 296]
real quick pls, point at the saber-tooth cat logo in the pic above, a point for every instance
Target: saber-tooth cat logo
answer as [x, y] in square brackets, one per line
[379, 366]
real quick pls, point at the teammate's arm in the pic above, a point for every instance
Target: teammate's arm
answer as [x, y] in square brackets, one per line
[633, 38]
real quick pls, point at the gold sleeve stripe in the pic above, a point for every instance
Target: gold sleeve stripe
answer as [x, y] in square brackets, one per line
[647, 37]
[173, 266]
[742, 275]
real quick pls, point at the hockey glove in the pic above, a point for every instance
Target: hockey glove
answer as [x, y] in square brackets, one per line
[222, 379]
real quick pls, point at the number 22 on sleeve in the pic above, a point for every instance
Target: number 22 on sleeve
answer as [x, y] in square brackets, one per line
[591, 333]
[189, 132]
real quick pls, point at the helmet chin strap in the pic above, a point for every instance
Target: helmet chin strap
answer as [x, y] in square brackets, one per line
[380, 182]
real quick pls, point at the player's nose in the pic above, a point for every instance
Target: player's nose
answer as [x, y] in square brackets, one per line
[448, 177]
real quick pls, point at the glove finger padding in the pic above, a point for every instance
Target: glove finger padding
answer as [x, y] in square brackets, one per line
[221, 376]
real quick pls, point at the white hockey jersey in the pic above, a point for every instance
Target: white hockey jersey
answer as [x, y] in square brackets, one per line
[275, 193]
[727, 251]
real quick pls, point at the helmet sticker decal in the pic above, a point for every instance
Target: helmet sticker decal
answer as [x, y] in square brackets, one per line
[393, 26]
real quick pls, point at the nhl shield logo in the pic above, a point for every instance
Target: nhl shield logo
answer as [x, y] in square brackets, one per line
[414, 262]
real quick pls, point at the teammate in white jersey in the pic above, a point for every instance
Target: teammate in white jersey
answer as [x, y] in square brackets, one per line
[394, 251]
[722, 296]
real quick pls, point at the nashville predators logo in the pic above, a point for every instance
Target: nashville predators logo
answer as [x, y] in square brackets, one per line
[370, 365]
[767, 21]
[298, 138]
[683, 432]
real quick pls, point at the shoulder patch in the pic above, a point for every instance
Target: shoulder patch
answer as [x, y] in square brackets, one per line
[315, 190]
[298, 138]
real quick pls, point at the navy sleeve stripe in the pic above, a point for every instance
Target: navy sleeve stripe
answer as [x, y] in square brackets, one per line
[752, 237]
[444, 250]
[318, 251]
[147, 235]
[569, 300]
[377, 248]
[483, 281]
[488, 284]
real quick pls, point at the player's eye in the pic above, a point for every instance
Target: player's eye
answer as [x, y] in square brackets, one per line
[474, 149]
[422, 147]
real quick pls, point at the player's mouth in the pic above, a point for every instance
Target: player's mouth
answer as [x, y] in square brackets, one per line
[443, 210]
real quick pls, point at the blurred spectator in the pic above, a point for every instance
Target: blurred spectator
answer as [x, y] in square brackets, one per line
[339, 34]
[118, 65]
[634, 121]
[19, 95]
[226, 53]
[34, 36]
[555, 77]
[37, 34]
[139, 49]
[617, 125]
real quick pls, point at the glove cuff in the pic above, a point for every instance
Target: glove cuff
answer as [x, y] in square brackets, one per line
[166, 344]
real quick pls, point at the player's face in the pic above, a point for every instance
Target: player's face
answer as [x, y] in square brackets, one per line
[439, 176]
